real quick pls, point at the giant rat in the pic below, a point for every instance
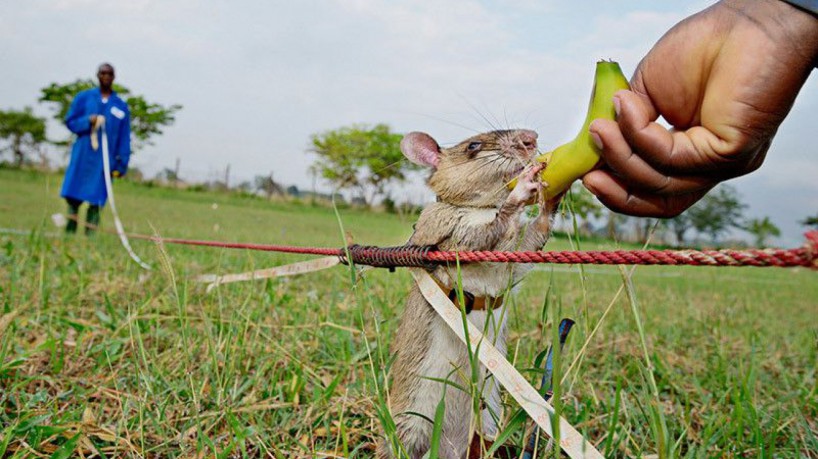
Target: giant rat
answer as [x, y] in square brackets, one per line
[475, 210]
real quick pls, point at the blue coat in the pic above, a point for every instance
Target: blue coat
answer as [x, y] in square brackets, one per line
[84, 179]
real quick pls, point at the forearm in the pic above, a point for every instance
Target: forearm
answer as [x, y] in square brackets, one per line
[487, 236]
[810, 6]
[791, 24]
[79, 124]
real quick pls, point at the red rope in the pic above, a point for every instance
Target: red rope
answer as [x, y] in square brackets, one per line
[806, 256]
[795, 257]
[239, 245]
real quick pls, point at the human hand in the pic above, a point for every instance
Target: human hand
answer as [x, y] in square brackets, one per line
[115, 174]
[725, 79]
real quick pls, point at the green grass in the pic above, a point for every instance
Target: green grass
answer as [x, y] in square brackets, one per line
[99, 358]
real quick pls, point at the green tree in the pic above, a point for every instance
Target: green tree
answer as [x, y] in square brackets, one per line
[679, 226]
[360, 158]
[267, 185]
[23, 131]
[167, 175]
[720, 210]
[810, 221]
[147, 118]
[582, 202]
[584, 205]
[644, 228]
[762, 229]
[612, 225]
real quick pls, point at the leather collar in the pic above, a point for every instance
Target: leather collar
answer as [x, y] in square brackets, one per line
[473, 303]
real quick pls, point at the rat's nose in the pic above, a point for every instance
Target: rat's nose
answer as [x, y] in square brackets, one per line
[528, 138]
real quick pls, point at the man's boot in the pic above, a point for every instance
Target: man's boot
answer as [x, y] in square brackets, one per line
[92, 220]
[73, 216]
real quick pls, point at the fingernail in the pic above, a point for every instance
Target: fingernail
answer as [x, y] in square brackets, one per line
[616, 105]
[597, 140]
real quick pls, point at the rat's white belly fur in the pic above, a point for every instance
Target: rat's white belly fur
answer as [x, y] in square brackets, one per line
[478, 217]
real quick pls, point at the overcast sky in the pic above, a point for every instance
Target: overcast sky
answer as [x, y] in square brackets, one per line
[256, 78]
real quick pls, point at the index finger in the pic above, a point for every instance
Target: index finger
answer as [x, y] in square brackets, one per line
[615, 195]
[691, 151]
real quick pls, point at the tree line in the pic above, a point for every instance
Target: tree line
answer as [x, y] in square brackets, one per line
[717, 214]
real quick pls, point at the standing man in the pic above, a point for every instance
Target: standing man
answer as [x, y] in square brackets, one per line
[84, 179]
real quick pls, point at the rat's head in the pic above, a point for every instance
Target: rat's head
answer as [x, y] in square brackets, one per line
[476, 171]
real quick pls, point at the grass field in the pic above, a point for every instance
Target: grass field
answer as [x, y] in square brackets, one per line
[98, 358]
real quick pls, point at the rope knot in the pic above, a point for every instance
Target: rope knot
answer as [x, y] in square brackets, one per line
[388, 257]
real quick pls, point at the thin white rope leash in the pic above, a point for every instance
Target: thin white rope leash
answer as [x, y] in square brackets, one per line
[292, 269]
[106, 163]
[571, 441]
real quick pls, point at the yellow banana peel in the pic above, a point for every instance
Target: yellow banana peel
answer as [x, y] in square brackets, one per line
[570, 161]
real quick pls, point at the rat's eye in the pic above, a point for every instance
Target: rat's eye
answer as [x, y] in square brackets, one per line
[474, 147]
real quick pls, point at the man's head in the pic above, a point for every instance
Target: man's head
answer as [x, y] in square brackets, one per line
[105, 75]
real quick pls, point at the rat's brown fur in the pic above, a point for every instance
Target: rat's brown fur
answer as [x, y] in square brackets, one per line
[475, 211]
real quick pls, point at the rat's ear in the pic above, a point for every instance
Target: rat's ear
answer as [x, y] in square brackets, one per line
[420, 148]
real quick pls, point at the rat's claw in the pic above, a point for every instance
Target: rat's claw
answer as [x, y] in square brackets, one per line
[532, 171]
[528, 185]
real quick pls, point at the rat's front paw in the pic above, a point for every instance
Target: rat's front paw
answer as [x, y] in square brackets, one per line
[528, 185]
